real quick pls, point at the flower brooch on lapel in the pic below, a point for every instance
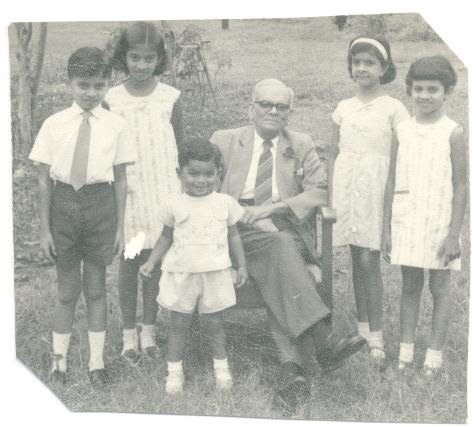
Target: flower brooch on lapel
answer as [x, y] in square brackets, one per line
[289, 152]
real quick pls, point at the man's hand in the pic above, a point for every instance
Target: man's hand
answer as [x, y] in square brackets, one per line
[241, 276]
[47, 246]
[255, 213]
[449, 250]
[118, 243]
[265, 224]
[147, 269]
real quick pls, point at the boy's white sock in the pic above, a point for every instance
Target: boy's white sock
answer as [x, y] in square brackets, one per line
[220, 364]
[96, 349]
[433, 358]
[363, 329]
[407, 352]
[147, 336]
[129, 339]
[60, 347]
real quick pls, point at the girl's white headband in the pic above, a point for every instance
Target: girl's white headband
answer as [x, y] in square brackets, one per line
[375, 43]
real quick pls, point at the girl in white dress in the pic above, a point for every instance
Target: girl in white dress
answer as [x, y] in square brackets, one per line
[425, 204]
[154, 116]
[362, 133]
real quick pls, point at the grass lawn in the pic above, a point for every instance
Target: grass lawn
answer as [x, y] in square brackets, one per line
[310, 56]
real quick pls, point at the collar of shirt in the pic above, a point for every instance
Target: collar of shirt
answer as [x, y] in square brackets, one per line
[258, 143]
[76, 111]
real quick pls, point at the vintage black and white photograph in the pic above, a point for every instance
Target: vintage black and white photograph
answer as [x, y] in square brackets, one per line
[256, 218]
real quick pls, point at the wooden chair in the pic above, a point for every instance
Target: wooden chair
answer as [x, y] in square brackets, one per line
[248, 296]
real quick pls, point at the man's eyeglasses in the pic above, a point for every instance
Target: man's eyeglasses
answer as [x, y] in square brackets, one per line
[268, 106]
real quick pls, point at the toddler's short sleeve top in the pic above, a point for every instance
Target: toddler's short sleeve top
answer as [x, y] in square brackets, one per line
[200, 236]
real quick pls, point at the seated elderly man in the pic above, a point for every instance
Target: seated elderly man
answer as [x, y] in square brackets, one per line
[277, 174]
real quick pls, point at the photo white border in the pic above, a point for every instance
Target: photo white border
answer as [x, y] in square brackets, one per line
[25, 398]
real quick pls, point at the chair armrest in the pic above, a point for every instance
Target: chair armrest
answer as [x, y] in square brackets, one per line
[327, 213]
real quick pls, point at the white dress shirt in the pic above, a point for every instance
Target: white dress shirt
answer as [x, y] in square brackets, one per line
[249, 187]
[110, 144]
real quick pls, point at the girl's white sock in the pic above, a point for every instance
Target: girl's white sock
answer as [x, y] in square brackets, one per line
[129, 339]
[147, 336]
[60, 347]
[407, 352]
[363, 329]
[220, 363]
[433, 358]
[175, 366]
[96, 349]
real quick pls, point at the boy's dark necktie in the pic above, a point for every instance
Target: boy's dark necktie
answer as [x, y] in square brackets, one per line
[264, 176]
[79, 166]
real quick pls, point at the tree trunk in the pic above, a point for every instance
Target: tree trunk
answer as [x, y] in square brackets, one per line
[28, 81]
[225, 24]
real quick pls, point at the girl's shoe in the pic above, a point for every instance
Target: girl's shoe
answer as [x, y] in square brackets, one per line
[174, 383]
[131, 356]
[223, 380]
[378, 358]
[432, 373]
[152, 351]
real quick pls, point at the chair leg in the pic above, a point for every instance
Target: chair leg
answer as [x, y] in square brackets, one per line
[327, 263]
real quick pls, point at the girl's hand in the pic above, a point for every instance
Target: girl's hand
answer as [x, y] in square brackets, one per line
[47, 246]
[241, 276]
[386, 245]
[118, 244]
[449, 250]
[147, 269]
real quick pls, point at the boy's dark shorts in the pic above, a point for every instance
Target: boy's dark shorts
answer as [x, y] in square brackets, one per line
[83, 222]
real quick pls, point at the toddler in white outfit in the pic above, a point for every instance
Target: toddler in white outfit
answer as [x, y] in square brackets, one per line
[199, 232]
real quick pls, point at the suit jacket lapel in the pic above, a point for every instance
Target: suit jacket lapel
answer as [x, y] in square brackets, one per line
[285, 169]
[241, 160]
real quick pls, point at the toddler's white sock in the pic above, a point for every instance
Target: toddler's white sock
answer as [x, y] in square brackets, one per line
[433, 358]
[60, 347]
[175, 366]
[96, 349]
[147, 336]
[363, 329]
[130, 339]
[407, 352]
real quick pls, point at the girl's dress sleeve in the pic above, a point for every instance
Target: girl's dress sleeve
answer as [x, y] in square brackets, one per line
[337, 114]
[400, 114]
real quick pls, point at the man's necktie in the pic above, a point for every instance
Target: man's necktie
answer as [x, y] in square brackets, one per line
[79, 166]
[263, 185]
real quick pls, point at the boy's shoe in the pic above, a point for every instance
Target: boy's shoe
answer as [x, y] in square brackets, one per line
[174, 383]
[223, 379]
[131, 356]
[152, 351]
[58, 377]
[99, 378]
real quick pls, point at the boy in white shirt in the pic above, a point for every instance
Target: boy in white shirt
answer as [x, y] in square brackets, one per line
[82, 153]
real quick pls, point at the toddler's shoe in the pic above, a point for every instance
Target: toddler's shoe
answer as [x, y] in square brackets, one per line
[223, 379]
[131, 356]
[378, 358]
[58, 373]
[99, 378]
[174, 383]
